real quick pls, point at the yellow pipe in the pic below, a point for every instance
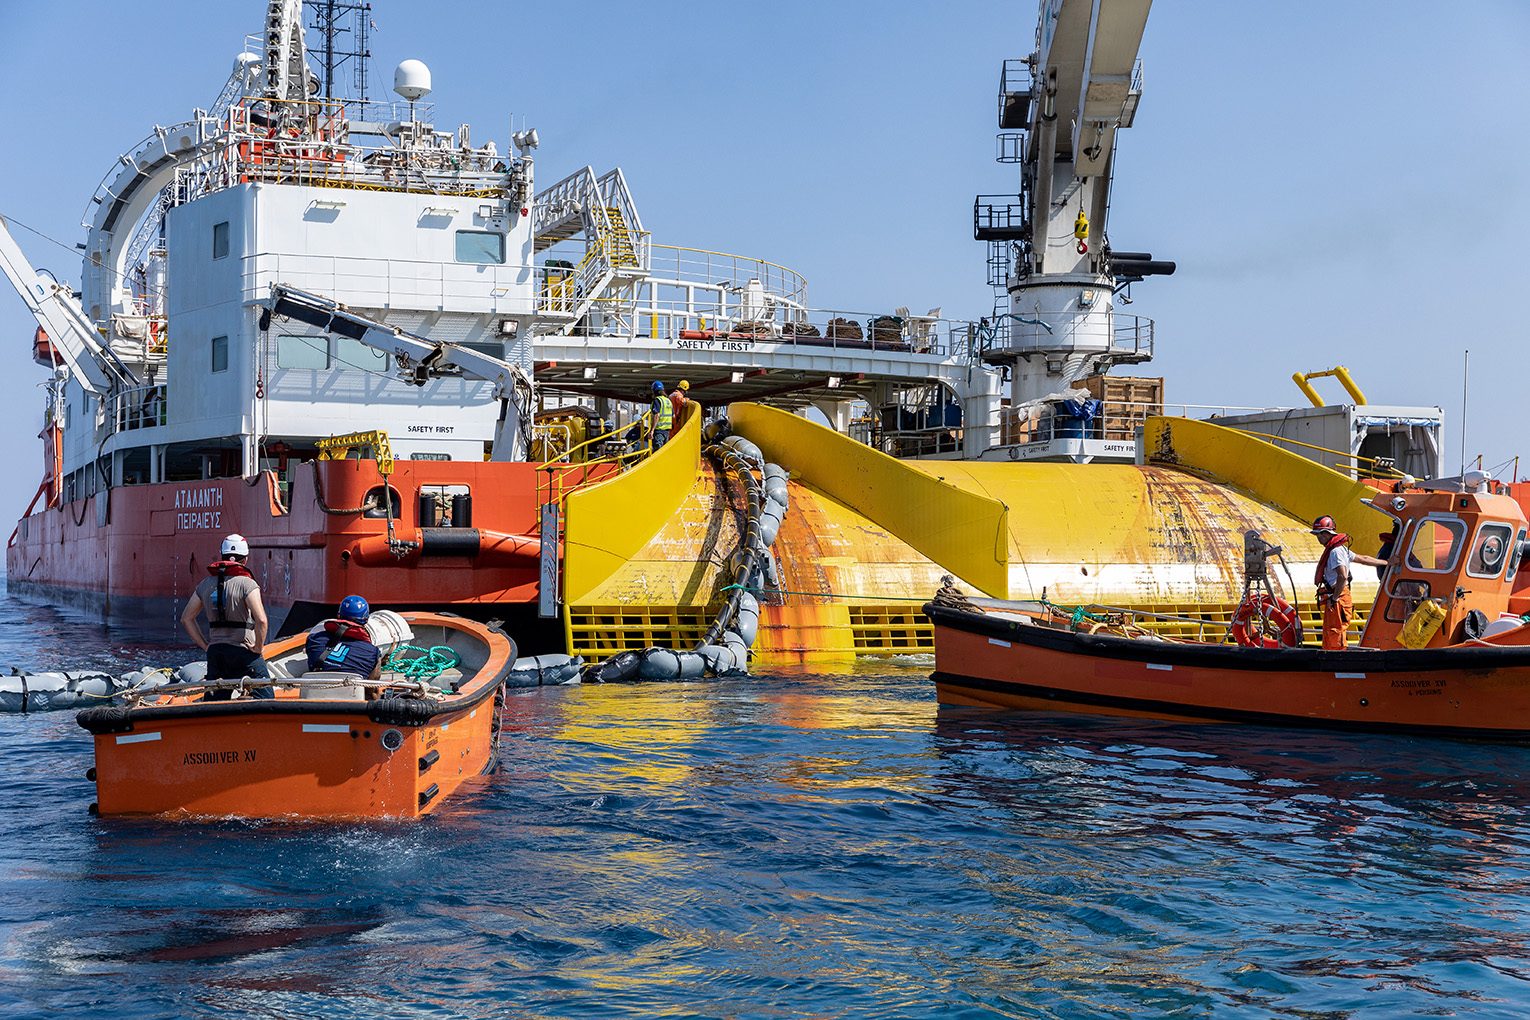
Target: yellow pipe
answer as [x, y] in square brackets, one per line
[1338, 372]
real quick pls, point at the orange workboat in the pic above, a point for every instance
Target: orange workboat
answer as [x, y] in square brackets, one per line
[1440, 653]
[326, 746]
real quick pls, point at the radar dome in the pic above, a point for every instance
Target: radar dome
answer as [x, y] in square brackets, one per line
[412, 80]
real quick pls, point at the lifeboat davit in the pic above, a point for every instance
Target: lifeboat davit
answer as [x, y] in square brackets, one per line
[1441, 653]
[326, 746]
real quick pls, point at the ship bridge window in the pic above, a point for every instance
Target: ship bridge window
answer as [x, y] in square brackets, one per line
[481, 247]
[350, 353]
[220, 354]
[310, 352]
[220, 240]
[1491, 550]
[1436, 543]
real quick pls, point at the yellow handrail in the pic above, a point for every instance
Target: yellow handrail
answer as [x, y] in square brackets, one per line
[1372, 461]
[1338, 372]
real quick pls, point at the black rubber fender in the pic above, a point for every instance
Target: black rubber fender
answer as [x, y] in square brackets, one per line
[400, 711]
[106, 719]
[618, 668]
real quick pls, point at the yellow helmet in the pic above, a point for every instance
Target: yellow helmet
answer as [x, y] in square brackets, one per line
[684, 385]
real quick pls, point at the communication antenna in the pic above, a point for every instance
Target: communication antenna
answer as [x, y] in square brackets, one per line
[1466, 356]
[344, 28]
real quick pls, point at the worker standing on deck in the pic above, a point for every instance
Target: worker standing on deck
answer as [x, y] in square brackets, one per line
[661, 416]
[680, 402]
[236, 621]
[1333, 582]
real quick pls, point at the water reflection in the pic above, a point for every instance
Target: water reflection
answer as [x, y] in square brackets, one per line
[801, 846]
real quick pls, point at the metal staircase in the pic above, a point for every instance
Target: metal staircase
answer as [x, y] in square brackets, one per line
[616, 255]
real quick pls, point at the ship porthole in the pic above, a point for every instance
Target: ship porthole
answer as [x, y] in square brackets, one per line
[392, 740]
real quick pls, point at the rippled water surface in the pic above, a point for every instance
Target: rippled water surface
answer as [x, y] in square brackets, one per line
[785, 847]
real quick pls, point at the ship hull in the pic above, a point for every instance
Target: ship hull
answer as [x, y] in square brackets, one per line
[134, 554]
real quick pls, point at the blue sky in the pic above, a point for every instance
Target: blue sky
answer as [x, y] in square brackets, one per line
[1339, 182]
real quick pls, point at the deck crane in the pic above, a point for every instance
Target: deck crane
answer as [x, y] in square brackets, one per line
[1060, 109]
[92, 363]
[418, 359]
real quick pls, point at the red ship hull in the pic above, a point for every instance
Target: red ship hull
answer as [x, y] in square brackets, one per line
[137, 551]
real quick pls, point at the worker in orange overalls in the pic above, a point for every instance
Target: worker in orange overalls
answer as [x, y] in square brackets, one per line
[1333, 582]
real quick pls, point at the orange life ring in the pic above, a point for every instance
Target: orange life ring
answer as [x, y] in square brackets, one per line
[1265, 621]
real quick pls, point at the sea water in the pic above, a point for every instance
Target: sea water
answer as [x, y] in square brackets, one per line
[787, 846]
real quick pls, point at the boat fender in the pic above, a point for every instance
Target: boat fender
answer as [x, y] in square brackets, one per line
[740, 651]
[105, 719]
[772, 574]
[664, 664]
[716, 429]
[746, 626]
[544, 670]
[400, 711]
[747, 450]
[777, 495]
[770, 527]
[718, 658]
[747, 603]
[192, 672]
[618, 668]
[97, 685]
[775, 471]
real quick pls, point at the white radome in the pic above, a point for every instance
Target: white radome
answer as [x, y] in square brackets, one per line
[411, 79]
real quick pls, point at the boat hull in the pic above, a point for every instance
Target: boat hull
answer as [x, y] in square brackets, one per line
[996, 662]
[291, 757]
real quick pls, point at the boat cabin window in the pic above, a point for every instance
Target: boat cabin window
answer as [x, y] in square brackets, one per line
[220, 354]
[1516, 553]
[1436, 543]
[482, 247]
[1491, 550]
[1403, 598]
[220, 240]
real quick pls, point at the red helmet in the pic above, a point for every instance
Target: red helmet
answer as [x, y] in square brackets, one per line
[1323, 523]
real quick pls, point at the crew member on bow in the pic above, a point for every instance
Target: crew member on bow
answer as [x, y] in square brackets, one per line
[1333, 582]
[342, 645]
[236, 621]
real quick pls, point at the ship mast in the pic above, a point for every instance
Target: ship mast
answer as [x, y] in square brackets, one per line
[341, 42]
[1060, 109]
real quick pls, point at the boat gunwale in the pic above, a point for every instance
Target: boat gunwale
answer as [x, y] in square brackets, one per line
[1235, 657]
[483, 683]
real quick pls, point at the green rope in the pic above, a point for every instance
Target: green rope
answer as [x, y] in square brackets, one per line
[428, 663]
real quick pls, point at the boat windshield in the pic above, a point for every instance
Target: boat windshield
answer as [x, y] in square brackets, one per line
[1436, 543]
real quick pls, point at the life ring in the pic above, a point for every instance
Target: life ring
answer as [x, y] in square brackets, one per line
[1266, 621]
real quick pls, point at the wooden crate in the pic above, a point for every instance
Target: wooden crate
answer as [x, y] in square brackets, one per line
[1127, 402]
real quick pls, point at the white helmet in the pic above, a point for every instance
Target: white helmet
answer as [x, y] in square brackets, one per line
[235, 545]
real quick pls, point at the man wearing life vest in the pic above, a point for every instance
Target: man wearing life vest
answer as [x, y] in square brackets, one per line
[661, 416]
[342, 645]
[680, 403]
[236, 620]
[1333, 580]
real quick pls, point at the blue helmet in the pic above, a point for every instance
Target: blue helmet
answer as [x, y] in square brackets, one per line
[658, 386]
[355, 609]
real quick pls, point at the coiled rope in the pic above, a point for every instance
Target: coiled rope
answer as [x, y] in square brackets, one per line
[427, 664]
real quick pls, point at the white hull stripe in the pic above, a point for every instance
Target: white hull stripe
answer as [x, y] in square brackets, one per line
[1349, 676]
[137, 738]
[313, 727]
[1159, 665]
[996, 641]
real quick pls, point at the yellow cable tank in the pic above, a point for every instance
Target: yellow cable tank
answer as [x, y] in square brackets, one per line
[867, 538]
